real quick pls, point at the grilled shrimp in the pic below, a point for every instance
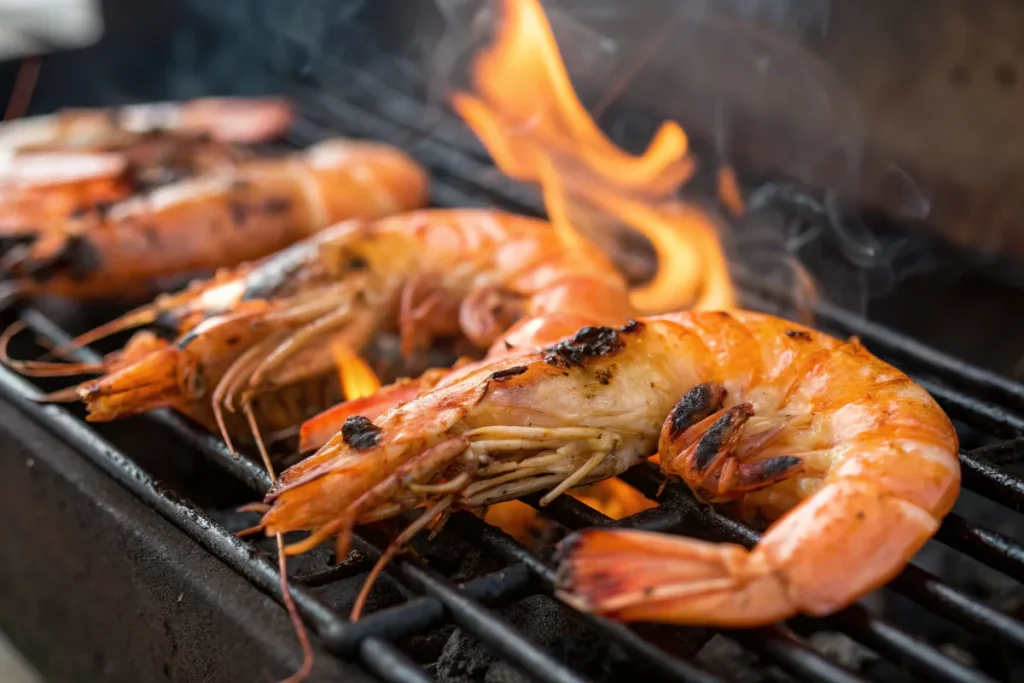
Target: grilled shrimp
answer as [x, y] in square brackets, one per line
[250, 338]
[226, 119]
[58, 167]
[854, 460]
[216, 219]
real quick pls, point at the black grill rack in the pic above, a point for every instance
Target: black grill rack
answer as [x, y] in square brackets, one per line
[981, 400]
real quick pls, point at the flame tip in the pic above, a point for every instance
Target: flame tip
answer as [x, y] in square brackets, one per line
[526, 112]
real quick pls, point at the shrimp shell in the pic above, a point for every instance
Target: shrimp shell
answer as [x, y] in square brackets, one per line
[855, 461]
[248, 336]
[215, 219]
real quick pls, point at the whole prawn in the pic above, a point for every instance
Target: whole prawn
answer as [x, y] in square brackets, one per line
[248, 337]
[244, 120]
[215, 219]
[856, 462]
[52, 166]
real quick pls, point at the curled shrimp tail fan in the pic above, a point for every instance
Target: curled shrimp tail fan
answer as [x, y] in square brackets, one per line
[641, 576]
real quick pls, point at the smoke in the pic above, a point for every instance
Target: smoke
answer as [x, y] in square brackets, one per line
[742, 79]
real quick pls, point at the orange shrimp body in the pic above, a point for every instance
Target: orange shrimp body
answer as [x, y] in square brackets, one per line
[57, 168]
[854, 460]
[219, 218]
[226, 119]
[76, 158]
[247, 336]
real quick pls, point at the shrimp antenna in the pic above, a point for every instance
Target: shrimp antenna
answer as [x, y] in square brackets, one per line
[393, 548]
[286, 597]
[144, 315]
[40, 368]
[293, 612]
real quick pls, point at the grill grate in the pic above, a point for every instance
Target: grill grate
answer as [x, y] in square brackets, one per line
[370, 638]
[982, 400]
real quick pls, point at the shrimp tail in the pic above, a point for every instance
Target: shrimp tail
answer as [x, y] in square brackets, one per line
[134, 383]
[851, 537]
[641, 576]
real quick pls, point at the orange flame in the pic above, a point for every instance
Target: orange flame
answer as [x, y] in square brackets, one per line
[528, 115]
[356, 377]
[613, 497]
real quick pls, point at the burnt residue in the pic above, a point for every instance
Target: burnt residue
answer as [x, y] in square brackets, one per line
[604, 375]
[508, 372]
[360, 433]
[275, 206]
[239, 212]
[719, 435]
[78, 259]
[798, 334]
[697, 404]
[357, 263]
[588, 343]
[632, 326]
[774, 468]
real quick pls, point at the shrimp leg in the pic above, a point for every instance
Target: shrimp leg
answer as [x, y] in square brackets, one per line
[706, 453]
[426, 462]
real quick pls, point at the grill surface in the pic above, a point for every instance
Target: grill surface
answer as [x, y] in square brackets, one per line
[988, 408]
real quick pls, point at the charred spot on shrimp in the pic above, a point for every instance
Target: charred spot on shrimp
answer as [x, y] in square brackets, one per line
[632, 326]
[80, 256]
[275, 206]
[508, 372]
[697, 404]
[590, 342]
[239, 213]
[798, 334]
[721, 436]
[360, 433]
[357, 263]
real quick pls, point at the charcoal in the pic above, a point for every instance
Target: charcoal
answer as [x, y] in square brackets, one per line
[466, 660]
